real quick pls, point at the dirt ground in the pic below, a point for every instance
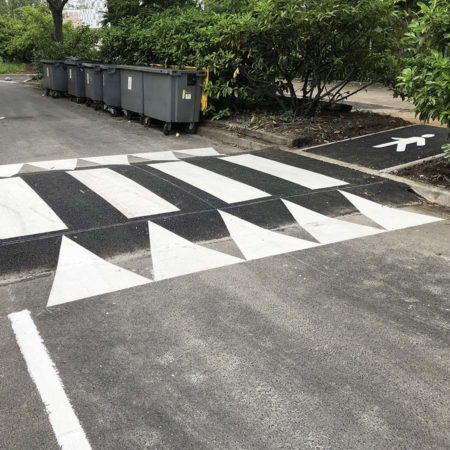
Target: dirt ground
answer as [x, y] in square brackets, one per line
[436, 172]
[328, 127]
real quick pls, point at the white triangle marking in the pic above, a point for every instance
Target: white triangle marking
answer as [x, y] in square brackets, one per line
[156, 156]
[207, 151]
[108, 160]
[60, 164]
[81, 274]
[388, 218]
[9, 170]
[256, 242]
[326, 229]
[174, 256]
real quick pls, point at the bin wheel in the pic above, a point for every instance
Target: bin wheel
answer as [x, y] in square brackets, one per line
[115, 112]
[47, 92]
[147, 122]
[126, 113]
[167, 128]
[191, 128]
[79, 100]
[98, 106]
[142, 119]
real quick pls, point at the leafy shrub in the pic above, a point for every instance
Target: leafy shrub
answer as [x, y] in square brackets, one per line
[426, 78]
[255, 52]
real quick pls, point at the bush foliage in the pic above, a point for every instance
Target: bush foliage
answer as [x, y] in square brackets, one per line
[256, 51]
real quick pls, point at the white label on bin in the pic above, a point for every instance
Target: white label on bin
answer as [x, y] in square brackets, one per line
[130, 83]
[87, 78]
[48, 72]
[70, 73]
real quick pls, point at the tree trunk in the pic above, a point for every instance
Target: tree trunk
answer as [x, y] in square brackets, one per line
[58, 25]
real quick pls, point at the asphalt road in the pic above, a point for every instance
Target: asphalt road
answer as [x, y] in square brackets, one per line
[341, 346]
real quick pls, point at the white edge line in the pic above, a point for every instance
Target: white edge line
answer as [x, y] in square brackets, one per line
[43, 372]
[412, 163]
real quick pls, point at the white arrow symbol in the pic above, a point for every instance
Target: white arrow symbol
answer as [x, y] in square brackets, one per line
[402, 143]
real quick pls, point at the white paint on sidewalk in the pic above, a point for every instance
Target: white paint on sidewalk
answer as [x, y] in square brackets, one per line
[174, 256]
[255, 242]
[112, 160]
[58, 164]
[81, 274]
[302, 177]
[10, 170]
[227, 189]
[388, 218]
[23, 212]
[326, 229]
[66, 426]
[129, 197]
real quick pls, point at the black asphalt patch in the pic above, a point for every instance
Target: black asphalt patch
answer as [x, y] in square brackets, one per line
[362, 150]
[99, 227]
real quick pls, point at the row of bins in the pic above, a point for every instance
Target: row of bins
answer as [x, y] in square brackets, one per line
[171, 96]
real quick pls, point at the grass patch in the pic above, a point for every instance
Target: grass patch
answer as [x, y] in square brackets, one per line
[6, 68]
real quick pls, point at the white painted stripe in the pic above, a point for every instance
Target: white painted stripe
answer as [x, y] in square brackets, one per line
[207, 151]
[112, 160]
[59, 164]
[129, 197]
[174, 256]
[82, 274]
[302, 177]
[326, 229]
[156, 156]
[256, 242]
[66, 426]
[9, 170]
[23, 212]
[388, 218]
[227, 189]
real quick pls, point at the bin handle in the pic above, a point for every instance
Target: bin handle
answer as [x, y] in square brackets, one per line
[204, 103]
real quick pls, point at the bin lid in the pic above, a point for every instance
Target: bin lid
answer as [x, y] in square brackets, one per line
[109, 66]
[79, 62]
[91, 65]
[173, 72]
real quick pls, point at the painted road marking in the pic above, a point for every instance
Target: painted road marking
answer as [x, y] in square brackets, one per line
[326, 229]
[207, 151]
[129, 197]
[23, 212]
[66, 426]
[58, 164]
[389, 218]
[227, 189]
[174, 256]
[156, 156]
[81, 274]
[10, 170]
[302, 177]
[116, 160]
[255, 242]
[402, 143]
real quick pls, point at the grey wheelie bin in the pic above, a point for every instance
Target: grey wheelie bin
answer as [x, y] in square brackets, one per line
[54, 79]
[111, 88]
[132, 90]
[173, 96]
[75, 79]
[93, 84]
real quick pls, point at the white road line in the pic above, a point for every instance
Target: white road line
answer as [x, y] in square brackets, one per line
[256, 242]
[302, 177]
[58, 164]
[174, 256]
[129, 197]
[108, 160]
[388, 218]
[9, 170]
[66, 426]
[326, 229]
[227, 189]
[81, 274]
[23, 212]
